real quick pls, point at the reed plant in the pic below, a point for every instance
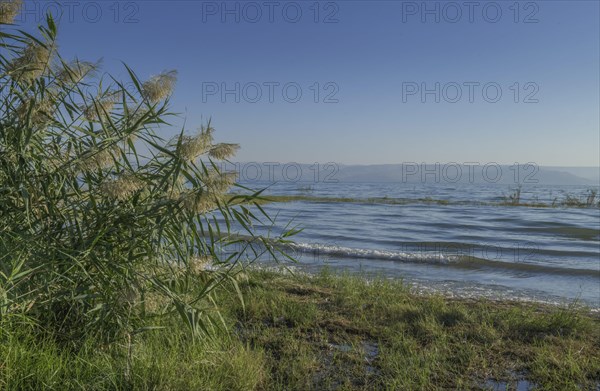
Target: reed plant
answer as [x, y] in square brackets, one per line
[101, 217]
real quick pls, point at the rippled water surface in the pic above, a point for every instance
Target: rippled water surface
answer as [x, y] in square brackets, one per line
[464, 248]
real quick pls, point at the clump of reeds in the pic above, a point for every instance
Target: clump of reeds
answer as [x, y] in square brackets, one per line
[515, 197]
[587, 200]
[89, 228]
[591, 197]
[9, 10]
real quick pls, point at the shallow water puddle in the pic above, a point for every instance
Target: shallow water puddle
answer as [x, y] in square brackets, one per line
[516, 385]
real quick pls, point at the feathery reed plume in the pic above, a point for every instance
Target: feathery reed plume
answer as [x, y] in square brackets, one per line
[220, 182]
[40, 112]
[98, 109]
[191, 147]
[199, 264]
[33, 62]
[76, 71]
[159, 87]
[223, 151]
[96, 159]
[207, 129]
[200, 203]
[123, 187]
[9, 10]
[136, 113]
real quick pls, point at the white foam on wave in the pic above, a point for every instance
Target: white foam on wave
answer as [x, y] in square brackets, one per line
[404, 256]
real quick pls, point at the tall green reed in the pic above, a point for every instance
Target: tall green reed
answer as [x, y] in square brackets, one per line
[100, 217]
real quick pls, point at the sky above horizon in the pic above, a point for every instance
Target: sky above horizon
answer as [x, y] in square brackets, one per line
[363, 82]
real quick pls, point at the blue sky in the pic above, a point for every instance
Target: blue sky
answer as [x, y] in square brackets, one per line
[361, 67]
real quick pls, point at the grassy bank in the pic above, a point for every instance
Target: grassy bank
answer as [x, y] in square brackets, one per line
[327, 332]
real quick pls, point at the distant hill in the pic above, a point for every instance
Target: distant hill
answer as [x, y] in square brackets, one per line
[460, 174]
[589, 173]
[417, 173]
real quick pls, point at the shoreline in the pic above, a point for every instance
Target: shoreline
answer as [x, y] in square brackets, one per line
[427, 288]
[329, 331]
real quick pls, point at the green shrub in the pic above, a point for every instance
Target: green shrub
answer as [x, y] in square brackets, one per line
[100, 217]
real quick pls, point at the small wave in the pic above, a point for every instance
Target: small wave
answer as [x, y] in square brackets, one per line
[436, 258]
[527, 267]
[361, 253]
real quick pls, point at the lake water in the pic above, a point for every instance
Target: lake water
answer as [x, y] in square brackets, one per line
[466, 248]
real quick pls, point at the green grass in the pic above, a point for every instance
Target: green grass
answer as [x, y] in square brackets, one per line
[327, 332]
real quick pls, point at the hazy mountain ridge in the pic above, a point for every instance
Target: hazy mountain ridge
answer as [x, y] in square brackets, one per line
[417, 173]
